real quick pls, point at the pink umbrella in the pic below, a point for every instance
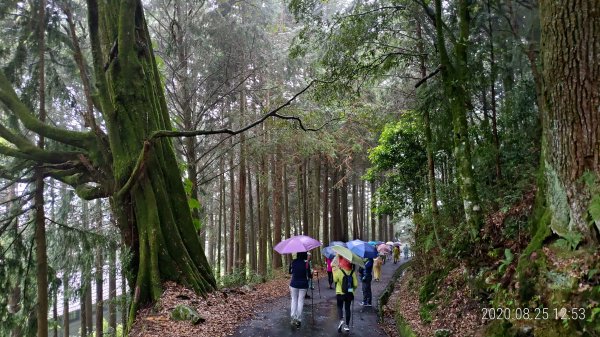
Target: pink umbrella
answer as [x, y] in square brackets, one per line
[295, 244]
[383, 249]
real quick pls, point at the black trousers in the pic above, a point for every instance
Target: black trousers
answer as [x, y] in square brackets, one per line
[367, 295]
[330, 277]
[344, 301]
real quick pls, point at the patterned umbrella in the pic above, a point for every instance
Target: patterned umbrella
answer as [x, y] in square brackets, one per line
[295, 244]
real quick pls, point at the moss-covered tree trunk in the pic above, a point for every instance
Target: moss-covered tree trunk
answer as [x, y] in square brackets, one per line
[151, 203]
[571, 114]
[454, 82]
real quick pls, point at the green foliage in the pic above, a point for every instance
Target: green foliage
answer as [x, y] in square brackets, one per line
[400, 157]
[425, 312]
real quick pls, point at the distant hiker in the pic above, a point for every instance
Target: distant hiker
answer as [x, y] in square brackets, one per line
[301, 273]
[396, 254]
[329, 272]
[377, 268]
[345, 283]
[366, 275]
[406, 251]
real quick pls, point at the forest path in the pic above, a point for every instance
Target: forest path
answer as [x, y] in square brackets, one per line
[273, 319]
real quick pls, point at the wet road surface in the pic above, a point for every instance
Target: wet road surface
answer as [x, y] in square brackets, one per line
[273, 320]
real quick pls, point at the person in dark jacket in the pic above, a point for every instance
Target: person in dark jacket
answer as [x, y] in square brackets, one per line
[300, 270]
[366, 276]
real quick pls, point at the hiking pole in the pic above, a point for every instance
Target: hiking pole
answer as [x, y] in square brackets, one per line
[319, 285]
[312, 303]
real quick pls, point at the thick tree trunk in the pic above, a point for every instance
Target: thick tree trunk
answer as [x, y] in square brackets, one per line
[265, 218]
[222, 218]
[571, 123]
[83, 314]
[286, 209]
[152, 209]
[493, 75]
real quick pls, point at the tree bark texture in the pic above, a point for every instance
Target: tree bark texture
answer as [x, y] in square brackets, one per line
[571, 123]
[276, 178]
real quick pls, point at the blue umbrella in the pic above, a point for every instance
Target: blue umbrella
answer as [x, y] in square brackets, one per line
[362, 249]
[337, 243]
[328, 252]
[372, 243]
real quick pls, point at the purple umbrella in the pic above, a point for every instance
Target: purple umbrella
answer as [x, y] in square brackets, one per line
[295, 244]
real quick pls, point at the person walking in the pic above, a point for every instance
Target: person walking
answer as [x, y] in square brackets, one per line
[366, 276]
[345, 283]
[301, 273]
[396, 254]
[406, 251]
[329, 272]
[377, 268]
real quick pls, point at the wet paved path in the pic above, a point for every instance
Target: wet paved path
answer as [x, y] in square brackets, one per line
[274, 319]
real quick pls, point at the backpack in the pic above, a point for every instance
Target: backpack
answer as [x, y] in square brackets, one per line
[347, 282]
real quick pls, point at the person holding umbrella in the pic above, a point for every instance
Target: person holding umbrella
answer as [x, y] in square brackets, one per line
[345, 283]
[344, 294]
[301, 274]
[300, 271]
[329, 255]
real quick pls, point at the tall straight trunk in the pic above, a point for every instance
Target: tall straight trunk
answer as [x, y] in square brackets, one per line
[40, 217]
[355, 226]
[99, 274]
[222, 220]
[83, 313]
[493, 75]
[453, 78]
[89, 307]
[344, 206]
[231, 257]
[251, 224]
[364, 229]
[55, 311]
[390, 226]
[304, 191]
[374, 233]
[241, 262]
[286, 208]
[276, 178]
[66, 293]
[325, 199]
[571, 122]
[299, 195]
[316, 203]
[264, 207]
[112, 290]
[335, 207]
[429, 145]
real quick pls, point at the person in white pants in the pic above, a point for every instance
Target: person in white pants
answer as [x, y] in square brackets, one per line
[300, 270]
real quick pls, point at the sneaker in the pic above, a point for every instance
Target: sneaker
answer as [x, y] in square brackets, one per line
[368, 305]
[293, 322]
[307, 296]
[340, 326]
[363, 303]
[298, 323]
[346, 328]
